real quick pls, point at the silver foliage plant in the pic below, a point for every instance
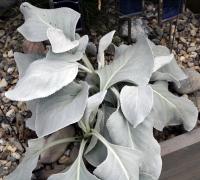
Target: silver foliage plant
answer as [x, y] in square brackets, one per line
[116, 106]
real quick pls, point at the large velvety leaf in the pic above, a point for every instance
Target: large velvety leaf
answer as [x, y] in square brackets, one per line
[29, 162]
[122, 163]
[140, 138]
[104, 42]
[136, 103]
[171, 71]
[119, 50]
[135, 64]
[37, 21]
[169, 109]
[61, 109]
[43, 78]
[24, 60]
[77, 171]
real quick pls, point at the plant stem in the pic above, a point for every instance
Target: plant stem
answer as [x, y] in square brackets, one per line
[88, 63]
[85, 68]
[115, 91]
[61, 141]
[117, 94]
[99, 136]
[79, 159]
[82, 126]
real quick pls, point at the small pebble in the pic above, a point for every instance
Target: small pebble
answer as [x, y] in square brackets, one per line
[64, 160]
[11, 148]
[193, 32]
[10, 113]
[182, 59]
[10, 54]
[16, 155]
[2, 33]
[3, 83]
[183, 40]
[191, 49]
[10, 70]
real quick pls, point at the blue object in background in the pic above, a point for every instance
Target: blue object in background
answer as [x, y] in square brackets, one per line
[171, 8]
[73, 4]
[130, 7]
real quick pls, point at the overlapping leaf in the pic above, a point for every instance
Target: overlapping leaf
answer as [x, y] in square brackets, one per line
[61, 109]
[169, 109]
[105, 41]
[59, 42]
[122, 163]
[135, 65]
[52, 154]
[99, 148]
[43, 78]
[72, 56]
[37, 21]
[161, 61]
[92, 107]
[77, 171]
[140, 138]
[171, 71]
[99, 126]
[24, 60]
[29, 162]
[136, 103]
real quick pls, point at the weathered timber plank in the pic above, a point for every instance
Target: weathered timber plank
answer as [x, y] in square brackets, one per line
[181, 157]
[180, 142]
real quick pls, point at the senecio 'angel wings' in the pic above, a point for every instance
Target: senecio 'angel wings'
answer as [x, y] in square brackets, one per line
[115, 106]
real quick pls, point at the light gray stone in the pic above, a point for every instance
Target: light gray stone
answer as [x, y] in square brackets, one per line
[191, 84]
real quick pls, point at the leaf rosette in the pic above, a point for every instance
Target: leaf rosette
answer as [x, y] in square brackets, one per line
[115, 107]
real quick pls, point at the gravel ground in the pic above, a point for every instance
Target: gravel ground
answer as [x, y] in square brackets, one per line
[14, 135]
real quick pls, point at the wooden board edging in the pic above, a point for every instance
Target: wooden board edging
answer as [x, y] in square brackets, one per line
[180, 142]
